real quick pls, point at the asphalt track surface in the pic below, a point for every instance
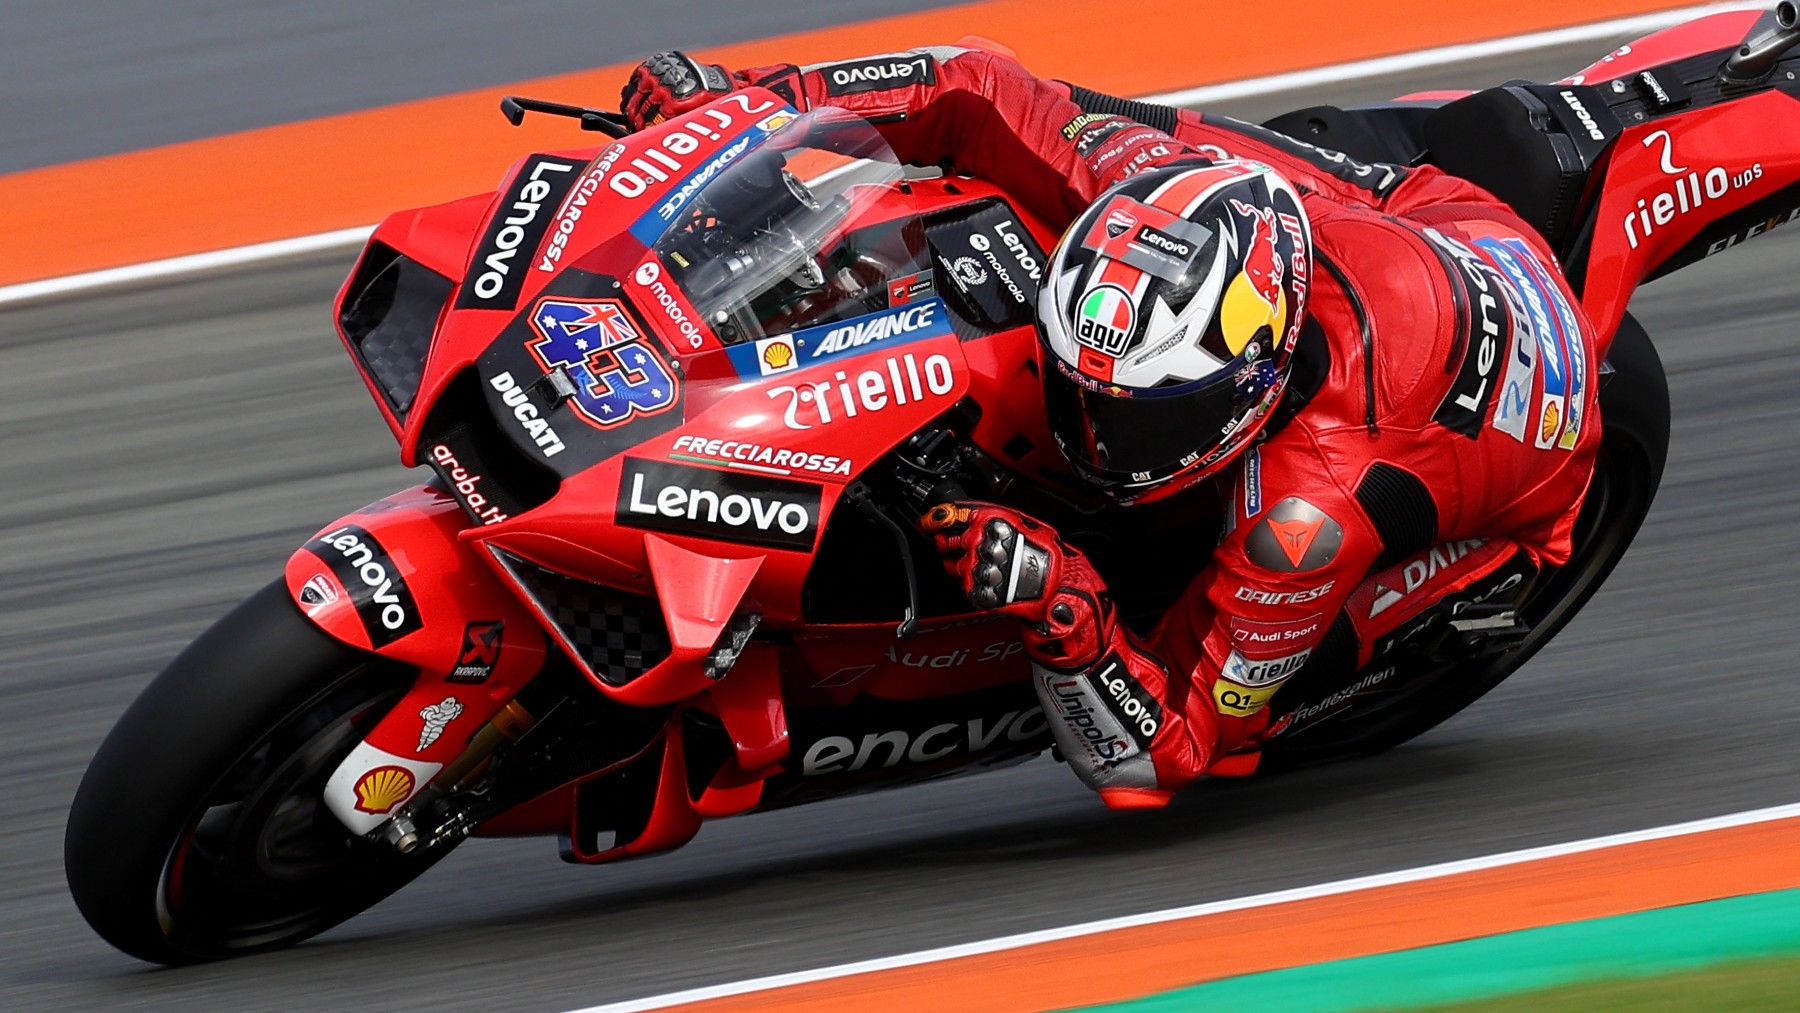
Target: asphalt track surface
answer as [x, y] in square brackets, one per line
[102, 76]
[166, 447]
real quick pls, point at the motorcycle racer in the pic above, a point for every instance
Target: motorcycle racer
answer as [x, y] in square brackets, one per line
[1369, 360]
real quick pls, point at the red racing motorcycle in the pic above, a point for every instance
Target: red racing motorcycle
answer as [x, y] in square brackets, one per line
[684, 396]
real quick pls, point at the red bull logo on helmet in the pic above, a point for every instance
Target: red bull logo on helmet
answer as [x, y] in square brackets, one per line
[1255, 298]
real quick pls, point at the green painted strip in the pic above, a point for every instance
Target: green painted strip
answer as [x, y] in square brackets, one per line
[1637, 945]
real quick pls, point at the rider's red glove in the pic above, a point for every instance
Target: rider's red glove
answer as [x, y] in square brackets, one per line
[1145, 746]
[672, 83]
[1010, 563]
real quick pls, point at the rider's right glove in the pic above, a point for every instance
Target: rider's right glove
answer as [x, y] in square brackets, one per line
[669, 84]
[1108, 701]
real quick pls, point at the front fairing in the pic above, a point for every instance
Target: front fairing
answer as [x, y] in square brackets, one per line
[638, 421]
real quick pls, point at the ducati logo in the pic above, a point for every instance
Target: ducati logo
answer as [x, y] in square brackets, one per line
[318, 591]
[1119, 222]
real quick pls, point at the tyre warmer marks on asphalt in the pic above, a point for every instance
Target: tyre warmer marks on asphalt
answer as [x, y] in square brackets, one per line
[1737, 856]
[319, 176]
[1643, 945]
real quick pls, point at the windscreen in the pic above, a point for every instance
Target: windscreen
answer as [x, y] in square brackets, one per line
[784, 237]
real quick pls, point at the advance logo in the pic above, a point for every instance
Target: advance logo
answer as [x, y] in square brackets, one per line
[899, 325]
[724, 506]
[382, 601]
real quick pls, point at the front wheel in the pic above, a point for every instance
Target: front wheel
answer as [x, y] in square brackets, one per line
[199, 830]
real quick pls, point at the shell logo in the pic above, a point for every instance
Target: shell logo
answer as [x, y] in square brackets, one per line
[777, 121]
[383, 788]
[778, 355]
[1552, 417]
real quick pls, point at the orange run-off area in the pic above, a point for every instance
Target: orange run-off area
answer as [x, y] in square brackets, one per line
[350, 170]
[1132, 962]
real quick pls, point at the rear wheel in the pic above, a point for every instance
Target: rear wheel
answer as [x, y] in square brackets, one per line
[199, 830]
[1634, 411]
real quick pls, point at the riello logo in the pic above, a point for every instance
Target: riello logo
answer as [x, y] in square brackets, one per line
[1691, 189]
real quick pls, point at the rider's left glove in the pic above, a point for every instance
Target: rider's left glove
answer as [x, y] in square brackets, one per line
[672, 83]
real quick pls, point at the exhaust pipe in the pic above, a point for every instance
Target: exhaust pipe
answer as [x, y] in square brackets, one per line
[1755, 58]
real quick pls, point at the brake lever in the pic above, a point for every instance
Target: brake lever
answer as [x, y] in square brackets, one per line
[514, 108]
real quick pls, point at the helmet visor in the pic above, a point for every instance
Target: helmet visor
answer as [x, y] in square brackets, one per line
[1144, 437]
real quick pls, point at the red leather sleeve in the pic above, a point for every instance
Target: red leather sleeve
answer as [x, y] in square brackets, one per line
[1056, 147]
[1298, 549]
[982, 114]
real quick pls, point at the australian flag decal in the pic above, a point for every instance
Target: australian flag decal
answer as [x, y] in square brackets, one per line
[618, 373]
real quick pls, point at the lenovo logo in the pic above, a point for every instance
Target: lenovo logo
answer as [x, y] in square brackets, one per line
[520, 220]
[383, 602]
[721, 505]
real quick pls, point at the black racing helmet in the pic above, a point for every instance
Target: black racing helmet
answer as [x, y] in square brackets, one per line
[1168, 321]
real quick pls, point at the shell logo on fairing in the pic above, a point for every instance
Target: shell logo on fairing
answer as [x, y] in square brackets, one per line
[383, 788]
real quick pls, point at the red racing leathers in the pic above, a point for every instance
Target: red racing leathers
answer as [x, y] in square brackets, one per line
[1457, 403]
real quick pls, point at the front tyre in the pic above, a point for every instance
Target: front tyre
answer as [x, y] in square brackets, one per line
[199, 831]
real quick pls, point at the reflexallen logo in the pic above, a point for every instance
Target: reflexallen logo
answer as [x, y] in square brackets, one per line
[720, 505]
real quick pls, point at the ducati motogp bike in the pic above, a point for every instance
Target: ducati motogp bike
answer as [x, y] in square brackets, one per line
[685, 394]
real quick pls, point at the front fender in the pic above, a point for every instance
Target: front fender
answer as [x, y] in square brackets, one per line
[394, 579]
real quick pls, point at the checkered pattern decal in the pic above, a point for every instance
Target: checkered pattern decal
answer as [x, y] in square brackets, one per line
[391, 326]
[617, 635]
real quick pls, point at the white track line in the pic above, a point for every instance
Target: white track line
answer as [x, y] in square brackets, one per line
[1335, 74]
[192, 264]
[1198, 910]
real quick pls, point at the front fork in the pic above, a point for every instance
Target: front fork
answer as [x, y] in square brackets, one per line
[394, 579]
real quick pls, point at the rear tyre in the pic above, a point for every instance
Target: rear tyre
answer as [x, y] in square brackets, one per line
[1634, 411]
[199, 831]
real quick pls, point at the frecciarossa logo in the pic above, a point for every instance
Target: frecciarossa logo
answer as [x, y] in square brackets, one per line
[383, 602]
[721, 505]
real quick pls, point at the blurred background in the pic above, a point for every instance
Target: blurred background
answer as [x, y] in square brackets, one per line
[165, 445]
